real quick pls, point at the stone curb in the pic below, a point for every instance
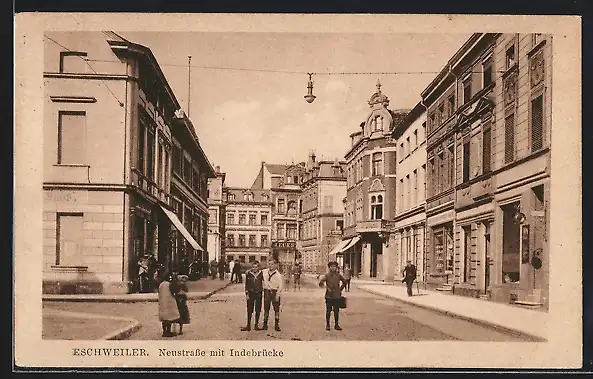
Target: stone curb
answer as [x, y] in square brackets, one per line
[130, 298]
[474, 320]
[123, 333]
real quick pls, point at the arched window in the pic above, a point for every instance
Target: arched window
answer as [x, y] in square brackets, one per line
[377, 207]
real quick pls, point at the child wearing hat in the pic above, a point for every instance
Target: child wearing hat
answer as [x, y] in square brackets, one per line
[333, 294]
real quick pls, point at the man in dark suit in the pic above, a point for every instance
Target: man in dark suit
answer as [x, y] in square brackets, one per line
[409, 275]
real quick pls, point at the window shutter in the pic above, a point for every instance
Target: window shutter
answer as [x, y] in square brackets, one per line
[509, 138]
[537, 123]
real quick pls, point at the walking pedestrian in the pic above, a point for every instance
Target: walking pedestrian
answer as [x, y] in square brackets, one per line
[298, 270]
[254, 286]
[180, 290]
[272, 289]
[238, 273]
[347, 277]
[168, 311]
[221, 268]
[333, 294]
[213, 268]
[409, 274]
[231, 269]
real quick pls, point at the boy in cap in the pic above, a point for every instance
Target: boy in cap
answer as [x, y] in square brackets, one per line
[333, 294]
[254, 286]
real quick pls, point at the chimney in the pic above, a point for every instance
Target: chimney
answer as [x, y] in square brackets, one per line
[217, 169]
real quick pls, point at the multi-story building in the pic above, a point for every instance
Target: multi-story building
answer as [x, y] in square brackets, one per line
[410, 213]
[371, 192]
[216, 217]
[488, 144]
[109, 135]
[248, 224]
[321, 223]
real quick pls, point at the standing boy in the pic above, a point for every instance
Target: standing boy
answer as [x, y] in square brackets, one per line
[333, 294]
[272, 289]
[254, 282]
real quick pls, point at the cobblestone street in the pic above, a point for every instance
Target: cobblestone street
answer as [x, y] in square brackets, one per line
[368, 317]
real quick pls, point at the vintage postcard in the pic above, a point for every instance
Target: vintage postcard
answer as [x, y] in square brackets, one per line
[305, 191]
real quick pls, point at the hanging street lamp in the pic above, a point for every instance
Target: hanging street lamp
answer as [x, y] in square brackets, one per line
[309, 96]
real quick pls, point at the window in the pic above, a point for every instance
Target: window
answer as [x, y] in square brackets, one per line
[212, 214]
[414, 194]
[242, 218]
[537, 38]
[300, 206]
[292, 207]
[263, 240]
[150, 152]
[402, 153]
[281, 206]
[466, 163]
[176, 159]
[423, 188]
[451, 104]
[432, 122]
[265, 197]
[73, 61]
[467, 89]
[70, 239]
[252, 240]
[509, 138]
[252, 219]
[377, 164]
[424, 130]
[466, 274]
[537, 124]
[71, 137]
[196, 185]
[407, 192]
[486, 148]
[538, 193]
[241, 240]
[291, 231]
[328, 204]
[339, 224]
[487, 72]
[248, 196]
[408, 145]
[442, 116]
[264, 219]
[295, 179]
[280, 231]
[377, 207]
[230, 239]
[415, 139]
[510, 57]
[231, 197]
[451, 166]
[289, 179]
[442, 174]
[187, 169]
[431, 177]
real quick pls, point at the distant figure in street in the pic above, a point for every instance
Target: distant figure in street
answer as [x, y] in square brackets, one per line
[143, 277]
[195, 269]
[221, 268]
[333, 294]
[296, 273]
[231, 269]
[168, 311]
[254, 286]
[272, 289]
[213, 268]
[237, 271]
[180, 290]
[409, 274]
[347, 277]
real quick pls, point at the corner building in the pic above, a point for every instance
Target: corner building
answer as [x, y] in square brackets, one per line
[369, 241]
[109, 130]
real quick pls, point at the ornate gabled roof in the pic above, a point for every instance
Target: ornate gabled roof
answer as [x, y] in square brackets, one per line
[378, 97]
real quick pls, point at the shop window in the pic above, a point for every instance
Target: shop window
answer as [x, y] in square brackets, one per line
[73, 62]
[72, 137]
[511, 259]
[509, 138]
[467, 233]
[70, 239]
[537, 124]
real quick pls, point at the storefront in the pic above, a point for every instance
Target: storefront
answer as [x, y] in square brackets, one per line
[440, 263]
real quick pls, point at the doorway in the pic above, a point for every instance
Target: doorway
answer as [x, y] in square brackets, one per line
[511, 259]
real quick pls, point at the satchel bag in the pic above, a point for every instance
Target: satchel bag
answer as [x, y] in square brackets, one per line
[342, 303]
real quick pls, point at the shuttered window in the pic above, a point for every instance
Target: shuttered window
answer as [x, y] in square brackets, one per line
[537, 124]
[486, 149]
[509, 138]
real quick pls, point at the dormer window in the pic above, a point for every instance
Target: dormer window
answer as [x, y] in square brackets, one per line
[231, 197]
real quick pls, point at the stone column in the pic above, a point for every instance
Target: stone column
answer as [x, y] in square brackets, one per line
[366, 260]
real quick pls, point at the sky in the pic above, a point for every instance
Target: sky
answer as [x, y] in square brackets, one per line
[245, 117]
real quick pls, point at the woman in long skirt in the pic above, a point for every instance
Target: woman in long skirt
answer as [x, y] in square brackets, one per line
[168, 310]
[180, 292]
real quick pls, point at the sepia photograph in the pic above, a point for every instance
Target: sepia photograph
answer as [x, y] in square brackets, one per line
[265, 187]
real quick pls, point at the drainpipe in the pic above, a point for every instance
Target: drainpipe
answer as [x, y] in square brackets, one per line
[128, 123]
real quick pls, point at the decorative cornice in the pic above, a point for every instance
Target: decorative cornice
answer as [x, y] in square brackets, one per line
[73, 99]
[62, 75]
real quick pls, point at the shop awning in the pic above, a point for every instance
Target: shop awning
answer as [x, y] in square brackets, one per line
[179, 225]
[351, 243]
[338, 248]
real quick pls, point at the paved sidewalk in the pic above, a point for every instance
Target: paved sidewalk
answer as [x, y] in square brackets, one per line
[524, 322]
[200, 289]
[65, 325]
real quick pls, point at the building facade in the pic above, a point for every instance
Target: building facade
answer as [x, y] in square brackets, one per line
[248, 224]
[410, 212]
[216, 217]
[321, 210]
[107, 163]
[371, 192]
[488, 146]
